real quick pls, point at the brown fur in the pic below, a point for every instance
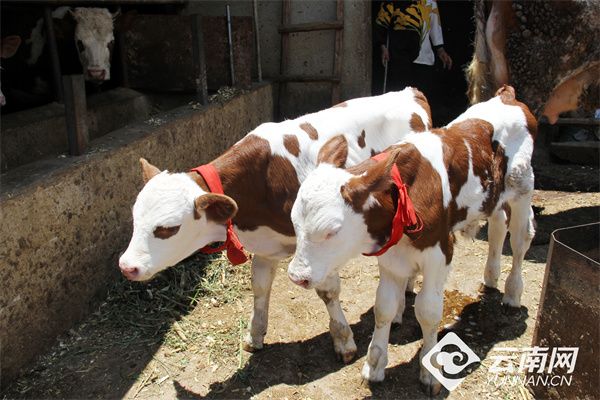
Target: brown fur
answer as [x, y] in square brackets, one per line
[308, 128]
[291, 144]
[335, 151]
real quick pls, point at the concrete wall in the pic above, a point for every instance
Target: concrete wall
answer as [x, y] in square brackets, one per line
[65, 221]
[311, 52]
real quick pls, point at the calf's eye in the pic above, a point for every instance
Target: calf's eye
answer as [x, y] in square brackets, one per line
[80, 46]
[162, 232]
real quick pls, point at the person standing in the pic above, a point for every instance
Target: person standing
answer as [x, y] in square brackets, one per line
[409, 34]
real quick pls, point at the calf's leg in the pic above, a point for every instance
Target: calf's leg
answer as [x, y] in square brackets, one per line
[343, 339]
[497, 228]
[403, 284]
[263, 274]
[429, 305]
[386, 307]
[521, 233]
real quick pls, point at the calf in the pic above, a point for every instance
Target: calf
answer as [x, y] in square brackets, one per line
[175, 214]
[476, 167]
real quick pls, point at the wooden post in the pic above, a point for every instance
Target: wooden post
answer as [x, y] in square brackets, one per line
[76, 113]
[285, 48]
[199, 59]
[54, 58]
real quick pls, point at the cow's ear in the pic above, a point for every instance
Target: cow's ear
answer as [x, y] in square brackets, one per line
[334, 152]
[218, 207]
[149, 171]
[379, 176]
[377, 179]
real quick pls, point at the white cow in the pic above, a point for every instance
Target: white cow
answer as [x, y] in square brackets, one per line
[477, 167]
[175, 214]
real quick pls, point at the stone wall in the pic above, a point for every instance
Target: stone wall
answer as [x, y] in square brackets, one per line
[65, 221]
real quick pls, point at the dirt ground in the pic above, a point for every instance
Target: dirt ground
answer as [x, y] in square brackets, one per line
[179, 336]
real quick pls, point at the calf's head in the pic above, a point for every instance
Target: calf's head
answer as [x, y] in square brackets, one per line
[172, 218]
[330, 217]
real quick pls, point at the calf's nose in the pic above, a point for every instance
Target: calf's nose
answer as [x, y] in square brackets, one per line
[300, 281]
[130, 272]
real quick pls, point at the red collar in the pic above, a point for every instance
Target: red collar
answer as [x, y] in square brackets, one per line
[405, 213]
[235, 251]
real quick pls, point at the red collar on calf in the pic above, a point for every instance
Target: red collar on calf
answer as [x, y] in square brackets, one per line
[405, 213]
[235, 251]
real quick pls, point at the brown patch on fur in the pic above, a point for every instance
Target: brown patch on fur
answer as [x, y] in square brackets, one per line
[263, 186]
[342, 104]
[334, 152]
[291, 144]
[162, 232]
[373, 153]
[361, 140]
[416, 123]
[422, 101]
[308, 128]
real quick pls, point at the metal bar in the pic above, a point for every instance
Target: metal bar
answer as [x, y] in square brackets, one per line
[76, 114]
[256, 30]
[319, 26]
[199, 59]
[54, 57]
[230, 46]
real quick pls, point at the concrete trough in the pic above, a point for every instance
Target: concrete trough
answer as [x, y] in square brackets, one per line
[65, 221]
[569, 316]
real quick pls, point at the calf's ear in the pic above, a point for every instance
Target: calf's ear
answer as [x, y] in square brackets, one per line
[149, 171]
[218, 207]
[334, 152]
[377, 179]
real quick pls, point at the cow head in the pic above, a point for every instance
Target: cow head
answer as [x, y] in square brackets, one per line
[172, 218]
[329, 221]
[93, 33]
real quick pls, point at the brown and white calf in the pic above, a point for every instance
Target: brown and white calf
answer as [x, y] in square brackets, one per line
[479, 166]
[175, 215]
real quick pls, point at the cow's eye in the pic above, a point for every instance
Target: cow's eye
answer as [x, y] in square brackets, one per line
[80, 46]
[111, 44]
[333, 233]
[163, 232]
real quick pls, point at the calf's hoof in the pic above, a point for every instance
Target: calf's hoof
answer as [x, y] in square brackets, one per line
[487, 289]
[431, 389]
[510, 310]
[251, 345]
[346, 356]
